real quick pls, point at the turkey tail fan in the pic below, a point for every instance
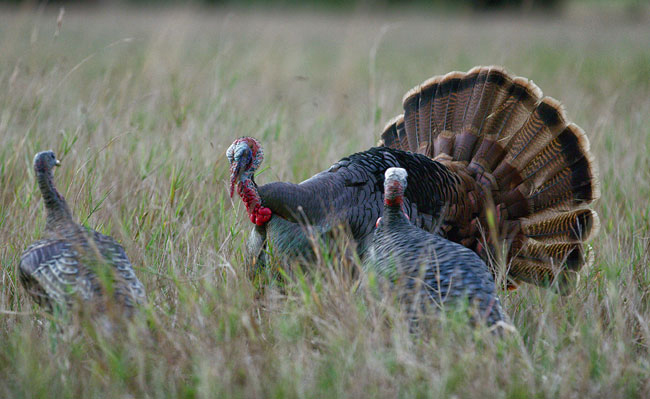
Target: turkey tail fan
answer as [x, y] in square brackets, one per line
[563, 227]
[543, 264]
[520, 153]
[448, 114]
[394, 135]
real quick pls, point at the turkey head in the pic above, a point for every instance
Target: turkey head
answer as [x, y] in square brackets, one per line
[45, 161]
[394, 187]
[245, 156]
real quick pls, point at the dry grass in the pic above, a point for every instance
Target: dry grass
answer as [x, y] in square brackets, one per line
[141, 107]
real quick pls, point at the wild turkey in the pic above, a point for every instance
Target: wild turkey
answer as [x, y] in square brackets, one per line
[489, 161]
[425, 267]
[73, 264]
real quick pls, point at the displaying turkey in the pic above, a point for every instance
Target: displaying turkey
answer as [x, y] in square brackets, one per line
[425, 268]
[492, 164]
[72, 264]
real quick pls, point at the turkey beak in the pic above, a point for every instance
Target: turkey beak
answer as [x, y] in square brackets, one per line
[57, 163]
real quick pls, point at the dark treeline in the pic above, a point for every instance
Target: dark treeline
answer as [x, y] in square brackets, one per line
[332, 4]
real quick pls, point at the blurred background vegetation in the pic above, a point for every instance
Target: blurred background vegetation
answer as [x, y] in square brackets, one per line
[632, 6]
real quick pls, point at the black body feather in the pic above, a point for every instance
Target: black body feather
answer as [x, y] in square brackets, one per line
[350, 193]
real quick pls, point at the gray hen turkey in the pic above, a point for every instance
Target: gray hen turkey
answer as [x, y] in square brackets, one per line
[69, 263]
[425, 268]
[492, 165]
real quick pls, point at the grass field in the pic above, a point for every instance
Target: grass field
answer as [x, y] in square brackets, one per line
[140, 107]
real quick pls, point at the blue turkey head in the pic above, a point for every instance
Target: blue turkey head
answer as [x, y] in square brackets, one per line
[45, 161]
[245, 156]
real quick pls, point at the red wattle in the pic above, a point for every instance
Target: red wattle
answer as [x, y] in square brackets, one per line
[262, 215]
[257, 214]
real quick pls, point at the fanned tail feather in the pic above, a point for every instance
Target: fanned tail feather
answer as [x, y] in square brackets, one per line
[522, 155]
[565, 227]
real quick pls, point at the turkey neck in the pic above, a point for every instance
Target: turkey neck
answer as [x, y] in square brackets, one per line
[295, 202]
[58, 212]
[394, 213]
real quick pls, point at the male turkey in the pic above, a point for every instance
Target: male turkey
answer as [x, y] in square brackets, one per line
[490, 162]
[425, 267]
[72, 264]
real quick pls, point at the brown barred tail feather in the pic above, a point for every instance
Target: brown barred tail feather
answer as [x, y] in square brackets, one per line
[518, 151]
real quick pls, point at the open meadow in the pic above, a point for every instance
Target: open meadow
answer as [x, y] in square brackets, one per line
[141, 106]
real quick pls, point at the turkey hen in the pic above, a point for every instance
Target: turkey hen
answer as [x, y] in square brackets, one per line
[425, 267]
[492, 165]
[73, 264]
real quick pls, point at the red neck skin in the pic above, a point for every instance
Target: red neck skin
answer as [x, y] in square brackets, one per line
[394, 201]
[394, 194]
[256, 212]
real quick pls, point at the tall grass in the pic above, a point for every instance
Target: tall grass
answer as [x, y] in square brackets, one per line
[140, 107]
